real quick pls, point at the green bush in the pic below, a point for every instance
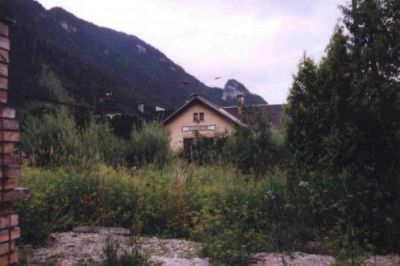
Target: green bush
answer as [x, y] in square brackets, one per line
[50, 139]
[148, 145]
[98, 143]
[257, 148]
[54, 139]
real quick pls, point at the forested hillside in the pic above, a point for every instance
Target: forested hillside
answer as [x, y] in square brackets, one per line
[58, 56]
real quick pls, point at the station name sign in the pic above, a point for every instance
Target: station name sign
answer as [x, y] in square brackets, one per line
[199, 128]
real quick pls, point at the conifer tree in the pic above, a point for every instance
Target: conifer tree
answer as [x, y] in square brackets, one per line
[343, 123]
[299, 117]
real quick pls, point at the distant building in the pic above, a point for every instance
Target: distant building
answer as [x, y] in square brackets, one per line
[271, 113]
[202, 117]
[112, 110]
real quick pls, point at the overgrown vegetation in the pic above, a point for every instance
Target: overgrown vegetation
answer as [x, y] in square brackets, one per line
[330, 184]
[211, 204]
[256, 148]
[55, 139]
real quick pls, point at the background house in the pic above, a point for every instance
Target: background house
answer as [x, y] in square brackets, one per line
[200, 117]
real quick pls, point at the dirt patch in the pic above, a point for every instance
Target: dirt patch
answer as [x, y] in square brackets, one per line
[81, 248]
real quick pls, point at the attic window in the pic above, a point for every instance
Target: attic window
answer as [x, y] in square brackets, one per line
[195, 116]
[201, 116]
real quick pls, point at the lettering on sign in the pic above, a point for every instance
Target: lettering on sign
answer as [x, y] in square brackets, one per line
[199, 128]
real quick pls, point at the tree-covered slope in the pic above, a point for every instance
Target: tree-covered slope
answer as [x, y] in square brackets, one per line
[59, 56]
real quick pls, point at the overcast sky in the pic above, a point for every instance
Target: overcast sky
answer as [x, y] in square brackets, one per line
[257, 42]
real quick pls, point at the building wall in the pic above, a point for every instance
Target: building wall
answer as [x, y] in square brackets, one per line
[185, 119]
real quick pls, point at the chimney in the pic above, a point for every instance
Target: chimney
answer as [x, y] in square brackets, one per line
[140, 107]
[240, 103]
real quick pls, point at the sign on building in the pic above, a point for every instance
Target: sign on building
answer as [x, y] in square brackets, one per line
[199, 128]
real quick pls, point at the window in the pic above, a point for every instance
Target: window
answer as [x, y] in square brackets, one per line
[195, 116]
[201, 116]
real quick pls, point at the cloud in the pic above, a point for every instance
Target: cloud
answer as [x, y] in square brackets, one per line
[258, 42]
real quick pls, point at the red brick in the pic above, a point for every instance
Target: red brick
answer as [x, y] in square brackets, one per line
[3, 29]
[8, 221]
[9, 183]
[6, 208]
[7, 112]
[3, 83]
[3, 70]
[14, 194]
[7, 147]
[3, 96]
[10, 259]
[4, 43]
[4, 56]
[10, 172]
[9, 234]
[9, 136]
[9, 124]
[7, 248]
[10, 159]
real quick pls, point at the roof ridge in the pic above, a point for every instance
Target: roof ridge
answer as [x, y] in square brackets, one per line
[209, 104]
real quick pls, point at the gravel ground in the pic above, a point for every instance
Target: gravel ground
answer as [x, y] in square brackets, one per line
[81, 248]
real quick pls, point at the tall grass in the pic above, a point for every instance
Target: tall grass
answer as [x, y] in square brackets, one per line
[149, 145]
[54, 139]
[211, 204]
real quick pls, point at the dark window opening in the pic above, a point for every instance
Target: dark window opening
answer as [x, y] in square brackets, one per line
[201, 116]
[195, 117]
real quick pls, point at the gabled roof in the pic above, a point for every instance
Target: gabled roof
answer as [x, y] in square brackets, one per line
[195, 98]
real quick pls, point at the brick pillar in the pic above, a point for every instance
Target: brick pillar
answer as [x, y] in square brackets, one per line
[10, 162]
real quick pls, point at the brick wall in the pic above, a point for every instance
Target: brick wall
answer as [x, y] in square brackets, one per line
[10, 162]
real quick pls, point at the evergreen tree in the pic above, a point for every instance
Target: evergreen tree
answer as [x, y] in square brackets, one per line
[344, 129]
[300, 119]
[372, 161]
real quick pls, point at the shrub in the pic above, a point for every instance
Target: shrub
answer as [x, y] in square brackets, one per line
[99, 143]
[49, 139]
[148, 145]
[54, 140]
[256, 148]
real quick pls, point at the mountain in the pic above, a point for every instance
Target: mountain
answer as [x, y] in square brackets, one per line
[57, 56]
[233, 88]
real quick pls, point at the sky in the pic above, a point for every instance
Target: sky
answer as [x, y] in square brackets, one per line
[257, 42]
